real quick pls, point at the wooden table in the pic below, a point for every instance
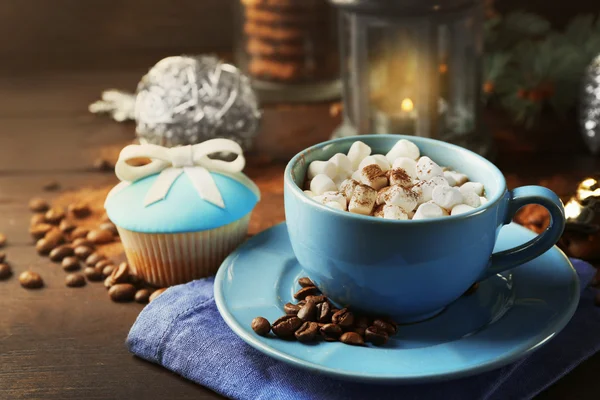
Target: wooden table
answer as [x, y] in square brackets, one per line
[69, 343]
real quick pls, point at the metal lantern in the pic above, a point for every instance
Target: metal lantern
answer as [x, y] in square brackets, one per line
[412, 67]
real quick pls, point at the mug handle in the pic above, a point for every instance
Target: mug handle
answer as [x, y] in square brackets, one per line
[517, 198]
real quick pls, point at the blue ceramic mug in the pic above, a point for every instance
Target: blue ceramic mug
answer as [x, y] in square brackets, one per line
[409, 270]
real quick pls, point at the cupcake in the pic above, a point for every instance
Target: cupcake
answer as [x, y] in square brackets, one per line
[182, 213]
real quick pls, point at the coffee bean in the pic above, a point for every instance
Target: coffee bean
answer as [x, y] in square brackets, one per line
[79, 210]
[307, 332]
[82, 252]
[103, 165]
[60, 252]
[92, 274]
[156, 293]
[31, 280]
[142, 296]
[66, 226]
[100, 236]
[305, 282]
[5, 271]
[362, 321]
[80, 233]
[352, 338]
[122, 292]
[103, 263]
[134, 280]
[307, 291]
[51, 186]
[43, 247]
[388, 326]
[55, 237]
[376, 335]
[472, 289]
[2, 239]
[37, 219]
[108, 283]
[109, 226]
[331, 332]
[2, 256]
[94, 258]
[316, 299]
[108, 270]
[75, 280]
[55, 215]
[70, 263]
[323, 312]
[38, 231]
[291, 309]
[285, 326]
[308, 312]
[121, 273]
[343, 318]
[261, 326]
[360, 330]
[38, 205]
[83, 242]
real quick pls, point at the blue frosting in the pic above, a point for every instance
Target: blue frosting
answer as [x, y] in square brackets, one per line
[182, 210]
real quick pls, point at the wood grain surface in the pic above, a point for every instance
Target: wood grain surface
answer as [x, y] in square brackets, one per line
[68, 343]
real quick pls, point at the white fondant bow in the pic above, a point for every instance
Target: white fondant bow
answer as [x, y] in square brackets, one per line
[192, 160]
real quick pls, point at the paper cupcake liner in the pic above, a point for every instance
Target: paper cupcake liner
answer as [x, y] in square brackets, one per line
[166, 259]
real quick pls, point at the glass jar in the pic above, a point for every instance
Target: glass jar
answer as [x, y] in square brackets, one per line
[289, 49]
[413, 67]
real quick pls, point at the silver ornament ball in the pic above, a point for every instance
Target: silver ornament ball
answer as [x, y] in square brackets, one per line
[186, 100]
[589, 111]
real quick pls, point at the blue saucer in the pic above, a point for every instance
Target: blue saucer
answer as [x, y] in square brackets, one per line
[509, 316]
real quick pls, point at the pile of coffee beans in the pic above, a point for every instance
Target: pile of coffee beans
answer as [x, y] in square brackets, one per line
[314, 318]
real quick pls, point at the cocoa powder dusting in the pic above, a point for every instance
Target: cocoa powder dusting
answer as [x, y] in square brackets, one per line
[373, 171]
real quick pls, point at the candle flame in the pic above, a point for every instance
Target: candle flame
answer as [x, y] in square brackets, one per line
[587, 188]
[572, 209]
[407, 105]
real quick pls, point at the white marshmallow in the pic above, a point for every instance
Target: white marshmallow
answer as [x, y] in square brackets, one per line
[403, 148]
[407, 164]
[356, 175]
[373, 176]
[376, 159]
[475, 187]
[391, 211]
[335, 205]
[347, 187]
[308, 193]
[321, 167]
[471, 199]
[358, 151]
[461, 209]
[363, 200]
[427, 168]
[446, 196]
[399, 177]
[455, 178]
[401, 197]
[428, 210]
[321, 184]
[332, 197]
[378, 211]
[424, 189]
[343, 165]
[483, 200]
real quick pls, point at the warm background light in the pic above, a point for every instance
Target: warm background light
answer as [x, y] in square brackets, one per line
[407, 105]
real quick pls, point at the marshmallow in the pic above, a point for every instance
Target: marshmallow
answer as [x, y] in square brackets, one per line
[321, 167]
[335, 205]
[332, 197]
[483, 200]
[455, 178]
[391, 211]
[461, 209]
[398, 176]
[401, 197]
[377, 159]
[373, 176]
[378, 211]
[363, 200]
[471, 199]
[321, 184]
[343, 165]
[356, 175]
[309, 193]
[427, 169]
[424, 189]
[407, 164]
[403, 148]
[428, 210]
[347, 187]
[475, 187]
[446, 196]
[358, 151]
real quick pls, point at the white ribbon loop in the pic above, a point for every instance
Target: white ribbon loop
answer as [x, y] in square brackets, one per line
[192, 160]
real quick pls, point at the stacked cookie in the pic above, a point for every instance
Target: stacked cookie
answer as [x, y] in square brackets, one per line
[289, 41]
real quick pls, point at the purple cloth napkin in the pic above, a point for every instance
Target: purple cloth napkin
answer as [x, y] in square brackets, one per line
[183, 331]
